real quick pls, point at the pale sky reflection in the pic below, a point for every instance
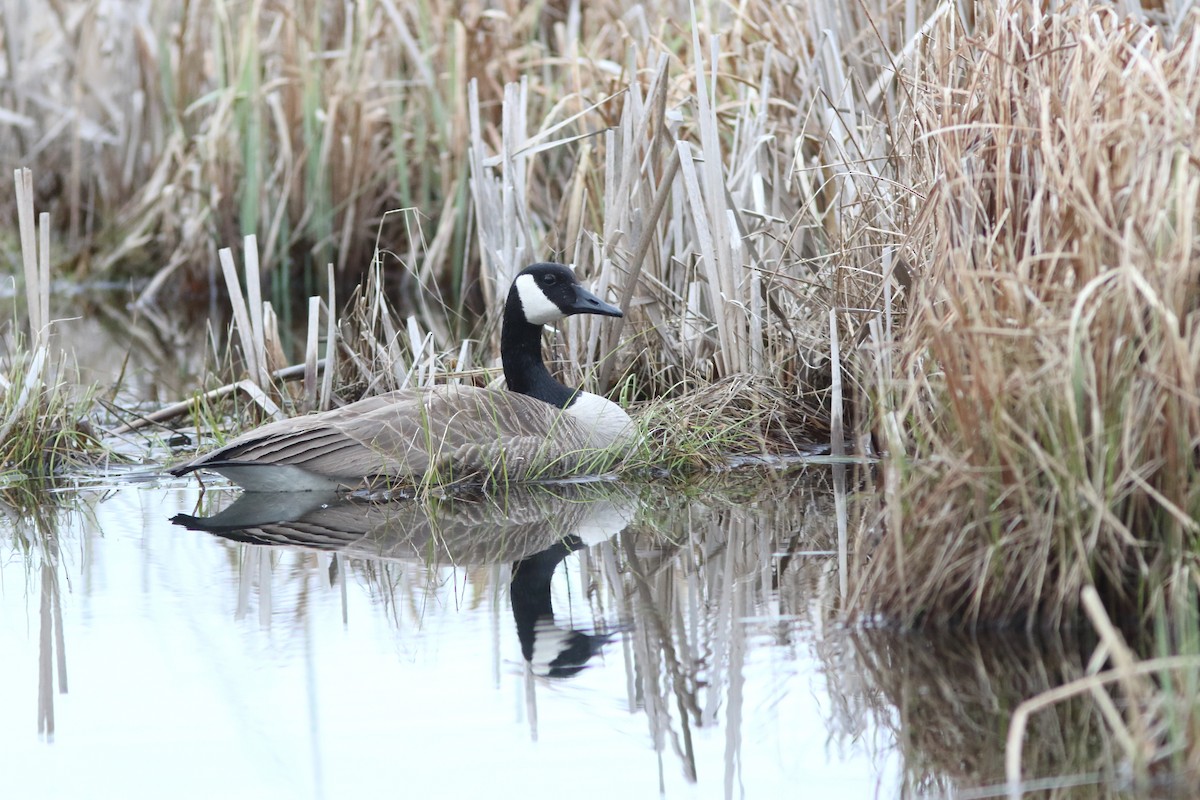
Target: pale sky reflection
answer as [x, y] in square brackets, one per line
[172, 693]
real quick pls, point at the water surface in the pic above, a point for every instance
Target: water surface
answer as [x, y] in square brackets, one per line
[596, 640]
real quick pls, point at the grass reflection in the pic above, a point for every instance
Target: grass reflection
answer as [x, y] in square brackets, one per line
[32, 517]
[680, 568]
[948, 700]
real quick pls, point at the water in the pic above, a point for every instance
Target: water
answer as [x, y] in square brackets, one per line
[418, 649]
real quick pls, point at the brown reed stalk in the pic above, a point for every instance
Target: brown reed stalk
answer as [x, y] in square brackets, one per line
[1044, 397]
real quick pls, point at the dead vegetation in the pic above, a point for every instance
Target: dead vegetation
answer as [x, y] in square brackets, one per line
[40, 425]
[978, 222]
[684, 163]
[1041, 408]
[994, 214]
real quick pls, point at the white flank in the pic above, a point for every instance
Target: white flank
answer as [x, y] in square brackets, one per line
[539, 309]
[605, 423]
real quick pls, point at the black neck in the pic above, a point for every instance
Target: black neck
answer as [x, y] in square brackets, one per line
[521, 354]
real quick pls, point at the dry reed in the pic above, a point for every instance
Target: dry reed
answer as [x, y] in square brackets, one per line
[512, 137]
[1041, 407]
[41, 403]
[993, 214]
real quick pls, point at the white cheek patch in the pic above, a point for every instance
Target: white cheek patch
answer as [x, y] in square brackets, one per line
[539, 309]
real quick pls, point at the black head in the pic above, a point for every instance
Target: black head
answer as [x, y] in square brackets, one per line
[547, 292]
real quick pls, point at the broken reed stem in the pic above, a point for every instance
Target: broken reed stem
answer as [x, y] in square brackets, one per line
[248, 315]
[331, 340]
[241, 316]
[43, 283]
[36, 291]
[254, 299]
[837, 435]
[635, 271]
[310, 354]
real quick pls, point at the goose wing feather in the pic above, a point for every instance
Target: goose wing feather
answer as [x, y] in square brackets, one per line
[451, 432]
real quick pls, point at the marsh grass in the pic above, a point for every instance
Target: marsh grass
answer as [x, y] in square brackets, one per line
[1040, 407]
[1038, 403]
[992, 210]
[42, 403]
[655, 148]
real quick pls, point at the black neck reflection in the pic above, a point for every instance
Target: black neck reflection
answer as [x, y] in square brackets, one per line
[552, 652]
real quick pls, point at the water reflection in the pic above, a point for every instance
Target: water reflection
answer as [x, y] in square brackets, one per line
[533, 528]
[32, 519]
[315, 648]
[552, 651]
[699, 582]
[948, 700]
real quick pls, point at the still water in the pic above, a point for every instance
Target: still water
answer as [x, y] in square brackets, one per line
[590, 640]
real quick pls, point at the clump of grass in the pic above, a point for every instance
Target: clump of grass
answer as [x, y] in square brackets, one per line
[1041, 406]
[41, 424]
[42, 429]
[740, 416]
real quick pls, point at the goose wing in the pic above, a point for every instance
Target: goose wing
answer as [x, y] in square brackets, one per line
[443, 434]
[456, 433]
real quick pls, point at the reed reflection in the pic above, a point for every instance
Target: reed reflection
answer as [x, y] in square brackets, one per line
[32, 518]
[692, 582]
[948, 700]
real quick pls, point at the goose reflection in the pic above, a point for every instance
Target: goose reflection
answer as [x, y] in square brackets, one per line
[551, 651]
[534, 527]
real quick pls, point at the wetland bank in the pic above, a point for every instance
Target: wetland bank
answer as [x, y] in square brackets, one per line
[952, 244]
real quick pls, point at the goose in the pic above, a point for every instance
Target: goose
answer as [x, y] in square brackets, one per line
[538, 428]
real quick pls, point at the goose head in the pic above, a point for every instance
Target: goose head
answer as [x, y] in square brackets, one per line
[541, 294]
[547, 292]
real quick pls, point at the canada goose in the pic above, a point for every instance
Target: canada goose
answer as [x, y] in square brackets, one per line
[539, 428]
